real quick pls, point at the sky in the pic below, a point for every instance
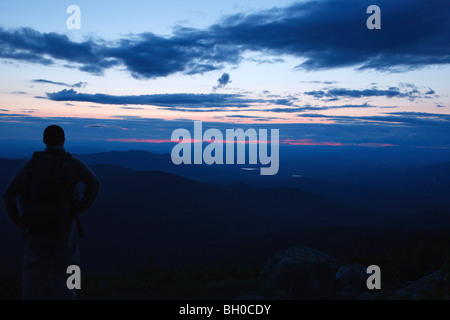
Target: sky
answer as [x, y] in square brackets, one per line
[137, 70]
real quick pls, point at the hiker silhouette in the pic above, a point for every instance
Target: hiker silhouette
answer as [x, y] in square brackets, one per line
[46, 186]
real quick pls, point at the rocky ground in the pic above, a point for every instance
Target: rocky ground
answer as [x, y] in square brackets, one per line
[306, 273]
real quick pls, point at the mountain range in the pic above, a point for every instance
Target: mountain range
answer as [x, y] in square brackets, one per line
[149, 208]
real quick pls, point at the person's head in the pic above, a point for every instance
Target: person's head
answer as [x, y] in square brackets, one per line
[54, 136]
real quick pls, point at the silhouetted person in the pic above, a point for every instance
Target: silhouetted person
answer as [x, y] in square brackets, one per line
[46, 186]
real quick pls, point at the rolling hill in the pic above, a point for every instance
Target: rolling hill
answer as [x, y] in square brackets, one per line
[177, 221]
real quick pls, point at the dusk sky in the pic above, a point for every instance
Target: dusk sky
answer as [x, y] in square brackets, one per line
[137, 70]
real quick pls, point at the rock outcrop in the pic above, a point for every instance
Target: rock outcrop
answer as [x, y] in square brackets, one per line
[308, 274]
[299, 273]
[351, 282]
[432, 286]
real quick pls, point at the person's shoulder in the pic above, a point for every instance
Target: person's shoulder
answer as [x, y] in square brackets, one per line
[27, 163]
[26, 167]
[76, 161]
[37, 154]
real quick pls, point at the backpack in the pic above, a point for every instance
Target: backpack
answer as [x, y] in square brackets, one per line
[52, 192]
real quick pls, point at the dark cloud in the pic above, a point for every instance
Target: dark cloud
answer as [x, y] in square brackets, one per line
[222, 81]
[128, 118]
[266, 118]
[248, 117]
[240, 116]
[392, 92]
[254, 118]
[289, 101]
[75, 85]
[195, 109]
[323, 34]
[26, 44]
[182, 100]
[319, 108]
[97, 125]
[422, 114]
[266, 61]
[349, 106]
[293, 109]
[19, 92]
[422, 119]
[27, 110]
[190, 102]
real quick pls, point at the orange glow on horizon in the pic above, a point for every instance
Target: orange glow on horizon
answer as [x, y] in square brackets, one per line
[292, 142]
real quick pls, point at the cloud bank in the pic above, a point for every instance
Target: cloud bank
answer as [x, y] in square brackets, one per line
[182, 100]
[393, 92]
[321, 34]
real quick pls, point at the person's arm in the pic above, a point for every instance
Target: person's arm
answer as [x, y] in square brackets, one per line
[91, 185]
[14, 188]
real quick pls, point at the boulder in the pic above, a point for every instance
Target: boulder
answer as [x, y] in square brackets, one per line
[299, 273]
[433, 286]
[351, 281]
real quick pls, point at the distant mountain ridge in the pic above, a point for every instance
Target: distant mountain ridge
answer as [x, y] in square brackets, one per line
[176, 220]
